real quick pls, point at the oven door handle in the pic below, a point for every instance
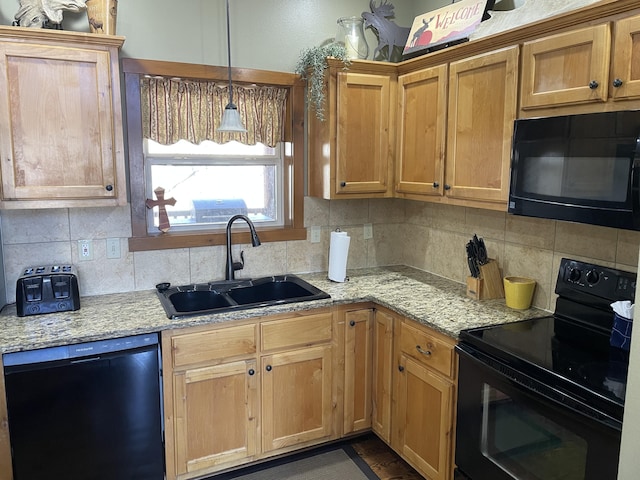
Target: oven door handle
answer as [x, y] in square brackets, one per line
[536, 387]
[635, 185]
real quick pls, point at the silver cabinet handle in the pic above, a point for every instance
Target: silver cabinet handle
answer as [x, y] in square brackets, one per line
[424, 352]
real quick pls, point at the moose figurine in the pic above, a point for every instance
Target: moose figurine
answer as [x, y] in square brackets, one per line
[389, 34]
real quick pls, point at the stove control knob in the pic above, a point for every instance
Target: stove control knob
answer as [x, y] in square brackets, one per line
[592, 277]
[574, 274]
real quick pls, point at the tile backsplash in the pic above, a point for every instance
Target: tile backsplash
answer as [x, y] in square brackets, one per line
[427, 236]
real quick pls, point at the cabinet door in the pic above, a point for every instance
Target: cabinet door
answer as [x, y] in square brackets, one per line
[357, 370]
[625, 71]
[56, 123]
[568, 68]
[424, 419]
[363, 153]
[422, 126]
[215, 415]
[482, 109]
[296, 397]
[382, 368]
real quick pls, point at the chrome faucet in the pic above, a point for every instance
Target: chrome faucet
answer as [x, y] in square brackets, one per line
[255, 241]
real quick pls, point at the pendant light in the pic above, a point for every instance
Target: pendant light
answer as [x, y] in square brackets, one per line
[230, 117]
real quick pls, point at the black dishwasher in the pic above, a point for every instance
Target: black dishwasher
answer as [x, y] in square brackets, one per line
[89, 411]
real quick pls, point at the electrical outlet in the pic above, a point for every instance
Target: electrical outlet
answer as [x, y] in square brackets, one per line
[315, 234]
[113, 248]
[85, 250]
[368, 231]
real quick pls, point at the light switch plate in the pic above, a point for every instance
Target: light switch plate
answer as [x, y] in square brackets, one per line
[368, 231]
[315, 234]
[113, 248]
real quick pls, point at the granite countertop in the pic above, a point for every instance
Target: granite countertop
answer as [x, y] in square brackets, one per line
[434, 301]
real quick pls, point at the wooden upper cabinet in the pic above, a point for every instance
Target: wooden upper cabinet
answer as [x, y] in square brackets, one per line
[363, 147]
[351, 151]
[625, 67]
[60, 120]
[422, 98]
[567, 68]
[591, 65]
[482, 109]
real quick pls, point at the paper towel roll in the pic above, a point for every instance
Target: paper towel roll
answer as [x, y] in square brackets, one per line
[338, 253]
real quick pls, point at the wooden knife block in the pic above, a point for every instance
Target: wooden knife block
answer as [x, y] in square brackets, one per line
[488, 285]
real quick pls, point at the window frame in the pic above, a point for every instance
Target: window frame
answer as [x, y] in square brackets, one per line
[293, 161]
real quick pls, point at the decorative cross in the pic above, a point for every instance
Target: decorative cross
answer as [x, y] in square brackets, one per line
[161, 203]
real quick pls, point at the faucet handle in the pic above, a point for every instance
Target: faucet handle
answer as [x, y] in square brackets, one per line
[239, 265]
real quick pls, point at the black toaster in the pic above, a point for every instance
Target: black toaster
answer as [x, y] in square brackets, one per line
[47, 289]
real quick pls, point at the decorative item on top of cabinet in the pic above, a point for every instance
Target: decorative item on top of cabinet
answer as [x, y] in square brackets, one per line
[351, 152]
[102, 15]
[588, 68]
[390, 35]
[312, 66]
[45, 13]
[60, 122]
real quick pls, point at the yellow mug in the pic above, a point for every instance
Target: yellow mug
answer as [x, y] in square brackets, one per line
[518, 292]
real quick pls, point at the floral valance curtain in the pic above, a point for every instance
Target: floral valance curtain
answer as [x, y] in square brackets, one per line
[176, 109]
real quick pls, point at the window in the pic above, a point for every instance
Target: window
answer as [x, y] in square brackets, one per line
[211, 181]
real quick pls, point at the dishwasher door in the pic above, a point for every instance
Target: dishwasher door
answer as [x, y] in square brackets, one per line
[87, 412]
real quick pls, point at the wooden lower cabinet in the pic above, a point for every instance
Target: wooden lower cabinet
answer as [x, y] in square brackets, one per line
[296, 397]
[424, 400]
[244, 392]
[239, 393]
[357, 369]
[224, 397]
[382, 373]
[423, 417]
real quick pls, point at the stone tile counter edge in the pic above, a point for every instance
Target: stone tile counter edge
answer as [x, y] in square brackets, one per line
[426, 298]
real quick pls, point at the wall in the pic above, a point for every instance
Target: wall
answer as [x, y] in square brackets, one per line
[435, 235]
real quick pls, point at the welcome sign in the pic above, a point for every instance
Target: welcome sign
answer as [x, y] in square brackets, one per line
[445, 25]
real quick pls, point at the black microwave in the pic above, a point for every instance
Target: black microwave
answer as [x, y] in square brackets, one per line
[578, 168]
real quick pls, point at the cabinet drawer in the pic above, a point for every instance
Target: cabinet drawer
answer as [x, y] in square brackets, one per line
[295, 332]
[215, 344]
[427, 349]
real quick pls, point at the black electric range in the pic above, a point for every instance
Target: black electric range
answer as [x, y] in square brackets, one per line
[543, 399]
[570, 350]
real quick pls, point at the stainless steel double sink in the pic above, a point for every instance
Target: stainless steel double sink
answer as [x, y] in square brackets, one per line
[229, 295]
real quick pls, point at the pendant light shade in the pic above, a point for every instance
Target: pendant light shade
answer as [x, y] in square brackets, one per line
[231, 121]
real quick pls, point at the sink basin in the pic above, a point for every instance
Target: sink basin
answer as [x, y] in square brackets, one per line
[225, 296]
[264, 290]
[197, 300]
